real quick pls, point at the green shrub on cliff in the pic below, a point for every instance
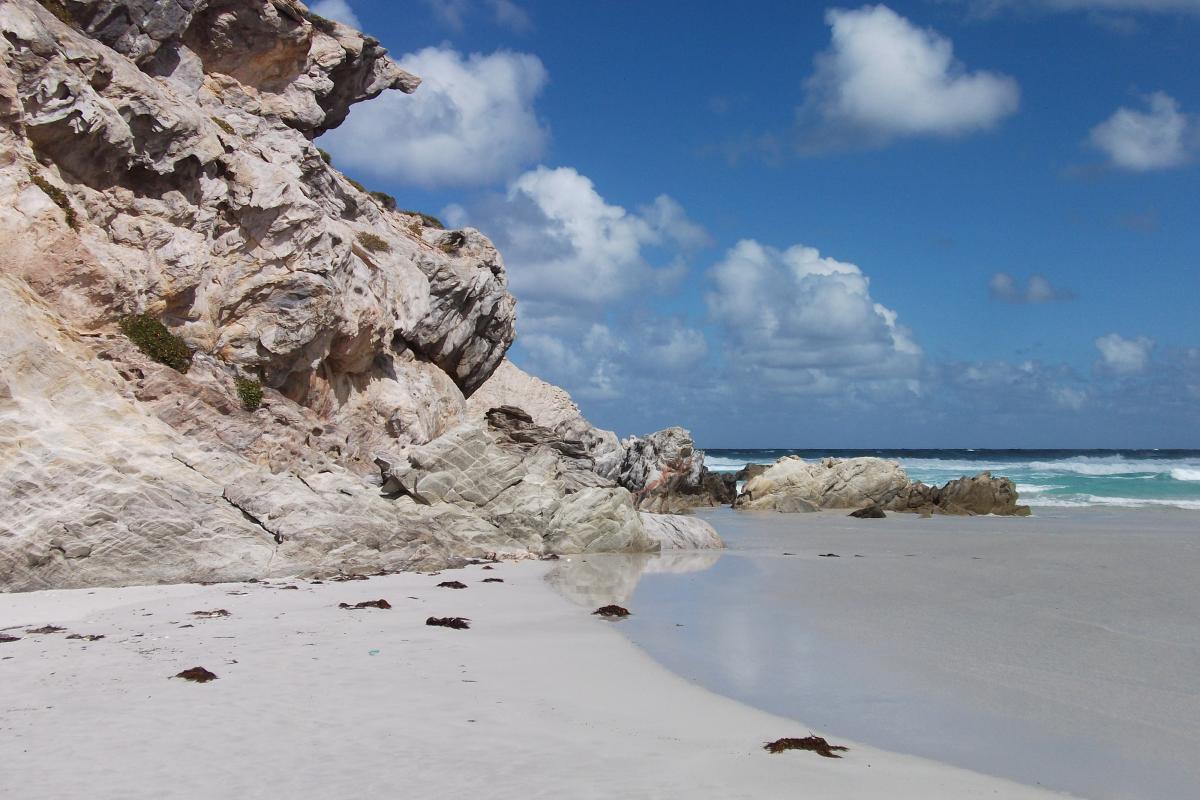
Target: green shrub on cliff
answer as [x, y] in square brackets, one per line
[250, 391]
[428, 220]
[374, 243]
[385, 200]
[59, 197]
[328, 159]
[153, 339]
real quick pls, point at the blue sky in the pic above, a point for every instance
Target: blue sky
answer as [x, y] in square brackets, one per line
[935, 223]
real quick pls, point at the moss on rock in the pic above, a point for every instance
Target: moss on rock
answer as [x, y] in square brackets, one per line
[153, 339]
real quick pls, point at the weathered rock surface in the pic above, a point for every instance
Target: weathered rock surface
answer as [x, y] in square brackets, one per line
[666, 473]
[540, 488]
[185, 184]
[675, 532]
[795, 485]
[979, 494]
[550, 407]
[98, 491]
[157, 158]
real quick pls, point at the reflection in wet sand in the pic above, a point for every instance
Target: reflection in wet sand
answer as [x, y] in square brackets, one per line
[599, 579]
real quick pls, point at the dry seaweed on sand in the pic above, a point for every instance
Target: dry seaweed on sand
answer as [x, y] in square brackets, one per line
[384, 604]
[489, 566]
[216, 612]
[5, 638]
[829, 555]
[612, 611]
[197, 675]
[46, 629]
[458, 623]
[87, 637]
[493, 580]
[452, 585]
[344, 578]
[814, 743]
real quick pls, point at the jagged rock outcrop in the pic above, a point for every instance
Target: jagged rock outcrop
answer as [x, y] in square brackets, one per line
[978, 494]
[666, 473]
[157, 158]
[550, 407]
[524, 478]
[166, 166]
[795, 485]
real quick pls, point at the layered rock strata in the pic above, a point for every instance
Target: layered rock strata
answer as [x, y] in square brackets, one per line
[157, 159]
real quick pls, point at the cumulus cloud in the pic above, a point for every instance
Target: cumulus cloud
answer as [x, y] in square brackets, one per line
[1121, 356]
[1159, 138]
[338, 11]
[472, 121]
[883, 78]
[566, 246]
[1004, 288]
[806, 321]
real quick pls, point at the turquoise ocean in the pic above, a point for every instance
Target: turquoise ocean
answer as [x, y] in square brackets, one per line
[1047, 478]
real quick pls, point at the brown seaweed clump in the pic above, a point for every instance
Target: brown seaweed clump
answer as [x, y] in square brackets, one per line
[458, 623]
[87, 637]
[5, 638]
[46, 629]
[452, 585]
[197, 675]
[814, 743]
[493, 580]
[216, 612]
[612, 611]
[384, 604]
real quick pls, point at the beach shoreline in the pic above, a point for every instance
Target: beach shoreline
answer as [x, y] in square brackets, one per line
[1056, 649]
[537, 699]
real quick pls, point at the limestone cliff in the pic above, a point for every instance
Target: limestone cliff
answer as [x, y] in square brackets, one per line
[156, 158]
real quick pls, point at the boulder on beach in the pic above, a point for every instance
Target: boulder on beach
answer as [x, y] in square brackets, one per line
[795, 485]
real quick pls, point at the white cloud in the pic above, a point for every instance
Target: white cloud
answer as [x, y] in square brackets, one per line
[1146, 140]
[338, 11]
[450, 12]
[565, 245]
[472, 121]
[506, 13]
[1006, 289]
[883, 77]
[510, 15]
[809, 321]
[1122, 356]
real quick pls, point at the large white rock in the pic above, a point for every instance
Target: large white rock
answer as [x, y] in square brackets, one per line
[678, 532]
[793, 484]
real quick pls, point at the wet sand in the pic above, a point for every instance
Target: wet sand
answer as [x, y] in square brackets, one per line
[537, 699]
[1060, 650]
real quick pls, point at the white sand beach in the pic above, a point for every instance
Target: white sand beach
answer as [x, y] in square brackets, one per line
[537, 699]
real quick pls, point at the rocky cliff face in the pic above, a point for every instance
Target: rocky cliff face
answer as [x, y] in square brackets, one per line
[156, 158]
